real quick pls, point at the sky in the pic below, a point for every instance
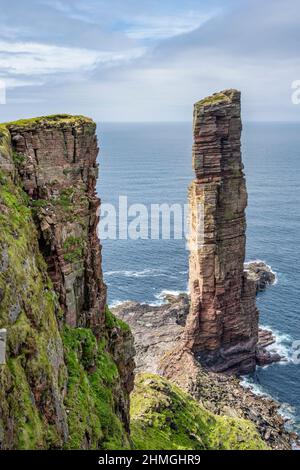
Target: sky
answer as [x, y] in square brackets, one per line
[147, 60]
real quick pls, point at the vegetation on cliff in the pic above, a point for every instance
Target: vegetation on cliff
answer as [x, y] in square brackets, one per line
[92, 379]
[61, 387]
[32, 415]
[47, 374]
[5, 148]
[216, 98]
[67, 386]
[165, 417]
[54, 120]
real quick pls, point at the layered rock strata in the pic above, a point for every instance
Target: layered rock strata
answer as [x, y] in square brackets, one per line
[67, 367]
[56, 160]
[222, 327]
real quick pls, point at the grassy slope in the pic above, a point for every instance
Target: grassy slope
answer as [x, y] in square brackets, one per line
[165, 417]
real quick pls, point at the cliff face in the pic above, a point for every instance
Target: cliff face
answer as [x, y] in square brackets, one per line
[68, 363]
[57, 165]
[222, 327]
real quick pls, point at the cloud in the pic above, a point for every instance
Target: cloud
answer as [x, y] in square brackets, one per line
[162, 27]
[251, 29]
[150, 60]
[31, 59]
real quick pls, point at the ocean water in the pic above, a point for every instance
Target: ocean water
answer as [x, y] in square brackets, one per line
[151, 164]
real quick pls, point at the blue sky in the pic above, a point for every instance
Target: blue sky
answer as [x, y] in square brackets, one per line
[148, 60]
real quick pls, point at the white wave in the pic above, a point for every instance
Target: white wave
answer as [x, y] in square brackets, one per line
[165, 292]
[282, 346]
[161, 296]
[157, 303]
[287, 411]
[142, 273]
[161, 299]
[117, 303]
[257, 389]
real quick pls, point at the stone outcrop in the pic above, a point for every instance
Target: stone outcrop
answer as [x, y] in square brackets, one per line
[156, 329]
[261, 274]
[69, 365]
[222, 327]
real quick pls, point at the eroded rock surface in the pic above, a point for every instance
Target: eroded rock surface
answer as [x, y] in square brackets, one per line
[159, 332]
[261, 274]
[222, 327]
[156, 329]
[68, 367]
[56, 160]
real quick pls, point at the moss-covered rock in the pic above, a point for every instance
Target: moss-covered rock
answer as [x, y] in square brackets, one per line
[164, 417]
[57, 389]
[61, 387]
[33, 380]
[5, 147]
[54, 120]
[92, 379]
[111, 321]
[216, 98]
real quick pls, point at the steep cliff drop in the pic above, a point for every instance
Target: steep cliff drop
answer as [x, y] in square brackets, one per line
[222, 326]
[58, 170]
[66, 362]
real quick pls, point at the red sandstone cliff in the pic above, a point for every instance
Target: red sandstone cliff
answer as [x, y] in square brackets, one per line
[59, 170]
[66, 362]
[222, 327]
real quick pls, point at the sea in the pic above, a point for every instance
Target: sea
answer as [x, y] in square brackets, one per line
[148, 164]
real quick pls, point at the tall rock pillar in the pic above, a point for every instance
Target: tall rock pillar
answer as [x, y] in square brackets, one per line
[222, 326]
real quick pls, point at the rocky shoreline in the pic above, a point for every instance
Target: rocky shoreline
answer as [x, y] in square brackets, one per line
[261, 273]
[159, 332]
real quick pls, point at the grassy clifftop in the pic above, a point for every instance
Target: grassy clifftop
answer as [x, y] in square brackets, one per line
[54, 120]
[165, 417]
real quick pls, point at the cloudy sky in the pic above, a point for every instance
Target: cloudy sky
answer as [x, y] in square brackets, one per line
[149, 60]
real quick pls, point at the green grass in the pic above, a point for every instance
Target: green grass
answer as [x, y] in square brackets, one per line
[213, 99]
[111, 321]
[29, 382]
[73, 247]
[93, 376]
[164, 417]
[53, 120]
[5, 142]
[18, 158]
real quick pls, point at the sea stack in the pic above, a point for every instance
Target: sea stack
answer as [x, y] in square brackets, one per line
[222, 325]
